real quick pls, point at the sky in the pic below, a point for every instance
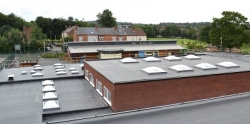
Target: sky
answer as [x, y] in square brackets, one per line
[135, 11]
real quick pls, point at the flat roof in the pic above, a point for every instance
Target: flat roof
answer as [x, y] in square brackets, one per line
[22, 102]
[232, 109]
[130, 47]
[119, 72]
[48, 73]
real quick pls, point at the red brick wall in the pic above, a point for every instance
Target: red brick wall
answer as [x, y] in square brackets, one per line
[147, 94]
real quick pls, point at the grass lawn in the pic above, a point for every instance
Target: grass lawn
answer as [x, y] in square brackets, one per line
[179, 40]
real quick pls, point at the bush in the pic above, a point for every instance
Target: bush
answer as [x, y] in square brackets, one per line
[53, 55]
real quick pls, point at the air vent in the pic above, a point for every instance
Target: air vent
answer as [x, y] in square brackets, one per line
[61, 73]
[11, 77]
[57, 70]
[205, 66]
[228, 64]
[72, 69]
[129, 60]
[24, 72]
[151, 59]
[58, 64]
[38, 68]
[59, 67]
[173, 58]
[153, 70]
[181, 68]
[37, 74]
[192, 57]
[51, 104]
[49, 95]
[47, 82]
[74, 72]
[48, 88]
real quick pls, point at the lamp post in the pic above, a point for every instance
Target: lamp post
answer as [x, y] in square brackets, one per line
[221, 44]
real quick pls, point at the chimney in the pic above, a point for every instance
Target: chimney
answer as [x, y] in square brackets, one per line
[96, 27]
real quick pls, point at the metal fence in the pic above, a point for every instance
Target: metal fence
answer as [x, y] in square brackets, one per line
[7, 61]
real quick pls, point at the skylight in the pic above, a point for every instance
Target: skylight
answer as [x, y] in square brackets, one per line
[72, 69]
[49, 95]
[37, 74]
[151, 59]
[59, 67]
[38, 68]
[24, 72]
[192, 57]
[58, 64]
[32, 72]
[47, 82]
[51, 104]
[172, 58]
[153, 70]
[205, 66]
[48, 88]
[74, 72]
[129, 60]
[181, 68]
[61, 72]
[228, 64]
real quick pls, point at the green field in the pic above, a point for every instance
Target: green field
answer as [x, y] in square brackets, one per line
[180, 41]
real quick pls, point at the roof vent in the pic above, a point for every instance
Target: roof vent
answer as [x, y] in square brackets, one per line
[49, 95]
[11, 77]
[205, 66]
[181, 68]
[228, 64]
[59, 67]
[61, 72]
[24, 72]
[47, 82]
[48, 88]
[37, 74]
[192, 57]
[51, 104]
[58, 64]
[151, 59]
[72, 69]
[172, 58]
[74, 72]
[129, 60]
[57, 70]
[153, 70]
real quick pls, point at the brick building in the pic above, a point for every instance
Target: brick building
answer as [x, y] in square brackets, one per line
[140, 83]
[104, 34]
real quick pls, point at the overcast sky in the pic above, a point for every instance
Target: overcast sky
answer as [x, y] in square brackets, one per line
[135, 11]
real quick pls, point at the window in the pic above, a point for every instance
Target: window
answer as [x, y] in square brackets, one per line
[114, 38]
[80, 38]
[120, 38]
[101, 38]
[87, 74]
[139, 39]
[91, 79]
[107, 95]
[99, 87]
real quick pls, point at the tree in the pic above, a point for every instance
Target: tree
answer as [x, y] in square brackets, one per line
[204, 35]
[45, 24]
[106, 19]
[68, 39]
[231, 30]
[171, 31]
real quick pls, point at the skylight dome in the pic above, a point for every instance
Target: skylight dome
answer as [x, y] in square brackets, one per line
[47, 82]
[32, 72]
[59, 67]
[37, 74]
[151, 59]
[58, 64]
[38, 68]
[205, 66]
[57, 70]
[172, 58]
[153, 70]
[192, 57]
[24, 72]
[228, 64]
[51, 104]
[48, 88]
[72, 69]
[129, 60]
[181, 68]
[49, 95]
[74, 72]
[61, 72]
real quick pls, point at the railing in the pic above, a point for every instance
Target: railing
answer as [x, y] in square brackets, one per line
[7, 61]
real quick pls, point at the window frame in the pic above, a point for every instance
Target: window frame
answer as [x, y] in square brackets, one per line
[106, 94]
[99, 87]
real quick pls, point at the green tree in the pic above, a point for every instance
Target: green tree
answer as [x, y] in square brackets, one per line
[204, 35]
[231, 30]
[171, 31]
[37, 33]
[45, 24]
[106, 19]
[68, 39]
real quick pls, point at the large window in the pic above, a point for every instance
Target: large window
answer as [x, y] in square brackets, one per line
[107, 95]
[86, 74]
[91, 79]
[99, 87]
